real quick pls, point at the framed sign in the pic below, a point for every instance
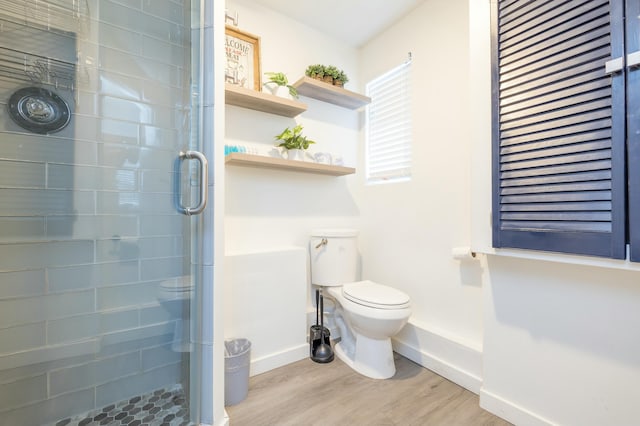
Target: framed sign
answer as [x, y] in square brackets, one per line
[243, 59]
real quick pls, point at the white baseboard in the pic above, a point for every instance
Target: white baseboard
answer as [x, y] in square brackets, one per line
[461, 363]
[278, 359]
[453, 360]
[509, 411]
[223, 422]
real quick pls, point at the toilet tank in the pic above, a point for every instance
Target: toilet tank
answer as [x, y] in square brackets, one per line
[334, 256]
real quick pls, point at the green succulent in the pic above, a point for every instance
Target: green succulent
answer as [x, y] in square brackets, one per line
[341, 77]
[314, 71]
[332, 71]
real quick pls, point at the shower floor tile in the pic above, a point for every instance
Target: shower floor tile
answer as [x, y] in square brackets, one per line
[163, 407]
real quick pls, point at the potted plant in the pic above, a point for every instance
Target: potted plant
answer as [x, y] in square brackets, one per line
[330, 73]
[278, 80]
[315, 71]
[294, 142]
[341, 79]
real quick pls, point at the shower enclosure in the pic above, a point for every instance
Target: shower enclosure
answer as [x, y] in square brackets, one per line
[102, 208]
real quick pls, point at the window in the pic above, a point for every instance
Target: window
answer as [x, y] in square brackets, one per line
[560, 125]
[388, 126]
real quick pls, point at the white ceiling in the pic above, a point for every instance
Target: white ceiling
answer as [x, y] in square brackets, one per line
[353, 21]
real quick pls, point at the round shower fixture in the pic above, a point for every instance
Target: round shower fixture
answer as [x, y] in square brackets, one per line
[39, 110]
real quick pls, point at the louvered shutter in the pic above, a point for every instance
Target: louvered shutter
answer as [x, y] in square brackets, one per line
[558, 162]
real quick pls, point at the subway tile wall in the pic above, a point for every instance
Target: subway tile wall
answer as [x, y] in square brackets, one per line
[88, 227]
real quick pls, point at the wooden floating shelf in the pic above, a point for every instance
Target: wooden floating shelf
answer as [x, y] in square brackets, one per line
[316, 89]
[250, 160]
[259, 101]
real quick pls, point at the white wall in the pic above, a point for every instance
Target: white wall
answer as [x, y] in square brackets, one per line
[267, 208]
[409, 229]
[562, 343]
[265, 296]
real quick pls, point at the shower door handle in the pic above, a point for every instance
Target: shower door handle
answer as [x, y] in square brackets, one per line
[204, 183]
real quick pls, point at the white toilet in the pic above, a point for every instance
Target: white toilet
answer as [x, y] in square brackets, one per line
[368, 314]
[175, 296]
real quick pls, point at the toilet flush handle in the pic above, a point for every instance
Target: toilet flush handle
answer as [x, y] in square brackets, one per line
[323, 242]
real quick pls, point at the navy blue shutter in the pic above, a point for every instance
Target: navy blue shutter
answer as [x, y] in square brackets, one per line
[633, 130]
[558, 128]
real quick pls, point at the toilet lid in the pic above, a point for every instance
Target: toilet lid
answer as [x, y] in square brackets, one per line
[379, 296]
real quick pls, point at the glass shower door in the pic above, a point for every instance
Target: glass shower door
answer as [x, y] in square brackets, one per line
[100, 237]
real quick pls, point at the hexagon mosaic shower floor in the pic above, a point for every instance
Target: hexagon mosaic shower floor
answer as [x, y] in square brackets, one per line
[160, 408]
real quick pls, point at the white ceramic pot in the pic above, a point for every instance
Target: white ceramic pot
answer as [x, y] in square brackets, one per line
[280, 91]
[295, 154]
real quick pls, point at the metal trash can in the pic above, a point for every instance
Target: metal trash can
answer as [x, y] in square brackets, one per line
[237, 354]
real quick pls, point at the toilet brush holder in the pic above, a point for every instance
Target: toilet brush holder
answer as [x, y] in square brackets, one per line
[320, 349]
[315, 338]
[320, 339]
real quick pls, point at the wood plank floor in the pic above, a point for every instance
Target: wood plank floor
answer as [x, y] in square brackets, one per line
[308, 393]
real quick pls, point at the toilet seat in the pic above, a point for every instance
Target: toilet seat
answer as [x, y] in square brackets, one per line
[178, 284]
[373, 295]
[176, 288]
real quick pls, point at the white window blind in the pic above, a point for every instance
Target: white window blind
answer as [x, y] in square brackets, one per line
[388, 126]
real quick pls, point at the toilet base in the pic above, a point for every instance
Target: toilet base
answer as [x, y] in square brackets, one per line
[372, 358]
[180, 331]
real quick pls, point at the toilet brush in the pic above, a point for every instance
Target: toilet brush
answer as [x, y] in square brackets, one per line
[314, 330]
[317, 308]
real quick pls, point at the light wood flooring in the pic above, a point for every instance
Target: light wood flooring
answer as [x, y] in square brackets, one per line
[308, 393]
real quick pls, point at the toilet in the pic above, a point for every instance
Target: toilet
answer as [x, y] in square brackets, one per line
[367, 314]
[175, 297]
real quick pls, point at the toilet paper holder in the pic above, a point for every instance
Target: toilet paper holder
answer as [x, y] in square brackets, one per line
[463, 253]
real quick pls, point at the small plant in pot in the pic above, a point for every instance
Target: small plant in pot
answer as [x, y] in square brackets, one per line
[278, 80]
[341, 79]
[315, 71]
[294, 142]
[330, 74]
